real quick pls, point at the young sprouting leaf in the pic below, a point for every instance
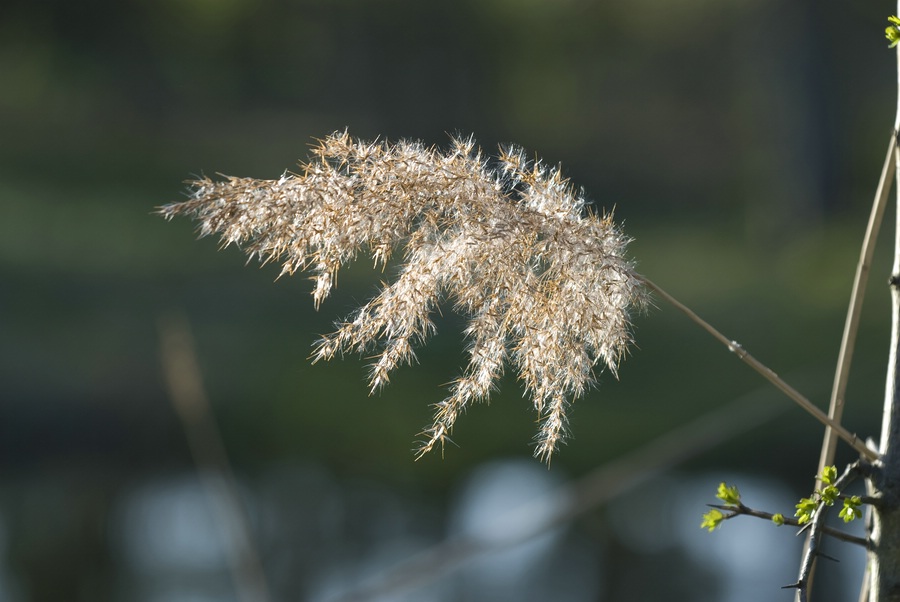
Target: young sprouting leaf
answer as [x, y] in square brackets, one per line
[730, 496]
[805, 510]
[712, 519]
[892, 31]
[851, 511]
[828, 494]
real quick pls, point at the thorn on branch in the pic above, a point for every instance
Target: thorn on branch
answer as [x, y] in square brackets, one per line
[821, 554]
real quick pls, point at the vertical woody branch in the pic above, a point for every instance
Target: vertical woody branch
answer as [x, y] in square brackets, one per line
[884, 558]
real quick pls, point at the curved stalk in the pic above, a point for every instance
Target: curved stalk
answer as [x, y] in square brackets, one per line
[854, 310]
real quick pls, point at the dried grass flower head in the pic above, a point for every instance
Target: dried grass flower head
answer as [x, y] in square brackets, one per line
[543, 282]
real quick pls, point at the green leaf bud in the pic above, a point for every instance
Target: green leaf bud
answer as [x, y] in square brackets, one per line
[829, 475]
[892, 32]
[730, 496]
[829, 494]
[805, 509]
[712, 519]
[851, 511]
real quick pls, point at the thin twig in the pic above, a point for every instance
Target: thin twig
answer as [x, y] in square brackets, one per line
[742, 510]
[848, 341]
[185, 384]
[854, 311]
[767, 373]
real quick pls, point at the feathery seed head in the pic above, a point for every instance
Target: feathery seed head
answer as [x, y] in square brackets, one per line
[545, 286]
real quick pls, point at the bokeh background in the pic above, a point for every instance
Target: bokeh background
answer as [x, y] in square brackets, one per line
[739, 143]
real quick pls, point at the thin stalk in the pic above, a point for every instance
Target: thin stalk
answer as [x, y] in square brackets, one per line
[768, 516]
[188, 395]
[767, 373]
[851, 326]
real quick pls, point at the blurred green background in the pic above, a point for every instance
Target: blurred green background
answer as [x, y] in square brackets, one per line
[738, 142]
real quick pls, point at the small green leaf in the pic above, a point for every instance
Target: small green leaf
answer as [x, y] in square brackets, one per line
[829, 494]
[805, 510]
[730, 496]
[851, 511]
[892, 32]
[712, 519]
[778, 519]
[829, 475]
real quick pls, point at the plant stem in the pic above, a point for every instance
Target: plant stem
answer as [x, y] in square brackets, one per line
[851, 325]
[766, 373]
[793, 522]
[884, 533]
[188, 396]
[854, 310]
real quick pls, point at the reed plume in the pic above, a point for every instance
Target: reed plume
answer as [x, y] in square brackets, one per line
[543, 282]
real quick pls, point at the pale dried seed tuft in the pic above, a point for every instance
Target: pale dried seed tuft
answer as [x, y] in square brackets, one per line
[545, 285]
